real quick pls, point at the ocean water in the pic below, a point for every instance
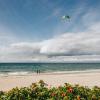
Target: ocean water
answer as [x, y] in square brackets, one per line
[30, 68]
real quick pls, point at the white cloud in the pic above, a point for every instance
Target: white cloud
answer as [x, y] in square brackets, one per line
[81, 46]
[95, 27]
[73, 44]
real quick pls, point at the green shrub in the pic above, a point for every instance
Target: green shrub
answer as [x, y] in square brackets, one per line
[40, 91]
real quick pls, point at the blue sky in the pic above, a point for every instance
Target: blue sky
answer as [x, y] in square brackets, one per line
[25, 22]
[34, 20]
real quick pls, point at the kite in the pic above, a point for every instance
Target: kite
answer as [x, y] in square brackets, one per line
[66, 18]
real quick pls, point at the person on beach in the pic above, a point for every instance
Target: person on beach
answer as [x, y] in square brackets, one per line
[37, 71]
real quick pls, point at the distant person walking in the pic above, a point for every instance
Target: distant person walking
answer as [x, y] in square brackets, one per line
[38, 71]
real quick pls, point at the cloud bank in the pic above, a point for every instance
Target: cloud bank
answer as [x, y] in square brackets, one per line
[81, 46]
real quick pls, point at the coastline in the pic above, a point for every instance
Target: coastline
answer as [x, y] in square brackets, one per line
[52, 79]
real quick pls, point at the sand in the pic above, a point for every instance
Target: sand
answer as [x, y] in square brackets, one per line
[86, 79]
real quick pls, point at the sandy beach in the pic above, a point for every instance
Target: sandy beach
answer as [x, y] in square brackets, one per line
[86, 79]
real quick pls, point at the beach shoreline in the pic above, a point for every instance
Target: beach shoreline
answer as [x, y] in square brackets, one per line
[52, 79]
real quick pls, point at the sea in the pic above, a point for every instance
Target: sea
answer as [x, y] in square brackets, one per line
[57, 68]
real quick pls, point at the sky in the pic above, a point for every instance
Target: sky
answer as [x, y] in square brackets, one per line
[34, 31]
